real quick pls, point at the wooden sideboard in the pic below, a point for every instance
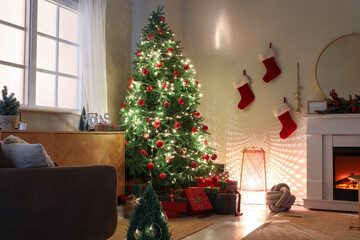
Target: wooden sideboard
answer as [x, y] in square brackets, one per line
[69, 148]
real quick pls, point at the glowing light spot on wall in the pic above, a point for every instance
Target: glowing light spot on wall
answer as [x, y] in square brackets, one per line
[222, 32]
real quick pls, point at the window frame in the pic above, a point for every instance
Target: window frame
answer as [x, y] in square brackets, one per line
[30, 55]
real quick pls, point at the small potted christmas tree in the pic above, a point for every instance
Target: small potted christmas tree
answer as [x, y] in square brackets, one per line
[9, 108]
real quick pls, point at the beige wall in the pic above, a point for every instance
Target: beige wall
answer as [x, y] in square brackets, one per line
[118, 53]
[224, 37]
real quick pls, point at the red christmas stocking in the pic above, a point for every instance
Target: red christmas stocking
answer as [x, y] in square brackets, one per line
[283, 114]
[246, 94]
[272, 69]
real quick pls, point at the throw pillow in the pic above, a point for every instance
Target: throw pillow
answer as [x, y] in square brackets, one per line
[27, 155]
[4, 163]
[13, 139]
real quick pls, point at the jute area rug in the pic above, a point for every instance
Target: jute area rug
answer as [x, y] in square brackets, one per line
[179, 228]
[308, 225]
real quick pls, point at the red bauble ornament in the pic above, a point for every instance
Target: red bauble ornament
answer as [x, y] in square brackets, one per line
[126, 143]
[141, 102]
[156, 123]
[129, 86]
[181, 101]
[196, 82]
[181, 152]
[147, 120]
[194, 130]
[164, 85]
[177, 125]
[169, 160]
[150, 36]
[131, 80]
[205, 128]
[145, 71]
[162, 176]
[176, 73]
[193, 164]
[123, 104]
[138, 53]
[213, 157]
[166, 104]
[170, 50]
[143, 152]
[186, 82]
[159, 144]
[353, 108]
[186, 67]
[160, 32]
[149, 88]
[150, 166]
[196, 114]
[337, 104]
[162, 18]
[145, 136]
[159, 64]
[205, 142]
[205, 157]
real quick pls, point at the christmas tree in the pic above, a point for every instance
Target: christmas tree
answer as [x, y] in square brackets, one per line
[165, 135]
[9, 105]
[148, 220]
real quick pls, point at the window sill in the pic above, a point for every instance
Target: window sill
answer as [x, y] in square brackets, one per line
[25, 108]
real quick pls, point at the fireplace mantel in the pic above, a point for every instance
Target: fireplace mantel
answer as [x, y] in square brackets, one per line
[323, 133]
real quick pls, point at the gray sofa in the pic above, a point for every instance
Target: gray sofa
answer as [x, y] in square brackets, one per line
[62, 203]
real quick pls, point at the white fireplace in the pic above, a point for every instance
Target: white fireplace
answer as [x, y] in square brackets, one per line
[324, 132]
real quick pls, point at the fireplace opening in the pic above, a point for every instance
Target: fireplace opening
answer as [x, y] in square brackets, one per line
[346, 162]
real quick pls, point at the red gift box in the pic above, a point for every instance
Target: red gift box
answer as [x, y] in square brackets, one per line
[174, 206]
[207, 182]
[198, 200]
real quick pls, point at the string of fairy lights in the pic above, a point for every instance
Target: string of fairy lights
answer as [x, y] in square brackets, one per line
[153, 73]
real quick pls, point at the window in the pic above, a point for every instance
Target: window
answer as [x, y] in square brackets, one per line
[39, 52]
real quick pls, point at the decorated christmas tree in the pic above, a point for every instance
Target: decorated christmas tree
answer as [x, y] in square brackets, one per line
[165, 135]
[148, 220]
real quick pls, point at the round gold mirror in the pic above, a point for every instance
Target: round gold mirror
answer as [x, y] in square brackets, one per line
[338, 66]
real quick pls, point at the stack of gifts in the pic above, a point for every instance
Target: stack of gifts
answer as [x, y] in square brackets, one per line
[224, 199]
[105, 127]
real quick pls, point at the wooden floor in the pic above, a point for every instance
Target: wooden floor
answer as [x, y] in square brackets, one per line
[230, 227]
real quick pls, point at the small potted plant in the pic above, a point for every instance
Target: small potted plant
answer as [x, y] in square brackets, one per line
[9, 109]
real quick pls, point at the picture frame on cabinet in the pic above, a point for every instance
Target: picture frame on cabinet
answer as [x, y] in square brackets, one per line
[314, 106]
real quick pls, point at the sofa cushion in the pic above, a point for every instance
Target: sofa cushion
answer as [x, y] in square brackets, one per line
[13, 139]
[22, 155]
[4, 163]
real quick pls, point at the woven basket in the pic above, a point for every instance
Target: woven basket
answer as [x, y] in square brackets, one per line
[8, 122]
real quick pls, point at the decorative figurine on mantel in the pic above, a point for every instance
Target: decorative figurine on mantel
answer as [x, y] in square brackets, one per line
[338, 105]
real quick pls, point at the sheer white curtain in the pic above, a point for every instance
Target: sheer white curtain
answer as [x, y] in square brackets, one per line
[93, 54]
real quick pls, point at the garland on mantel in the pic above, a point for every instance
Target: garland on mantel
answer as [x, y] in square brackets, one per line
[338, 105]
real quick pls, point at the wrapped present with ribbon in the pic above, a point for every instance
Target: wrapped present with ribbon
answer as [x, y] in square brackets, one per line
[212, 190]
[198, 200]
[228, 185]
[207, 182]
[135, 188]
[112, 127]
[226, 203]
[173, 201]
[102, 127]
